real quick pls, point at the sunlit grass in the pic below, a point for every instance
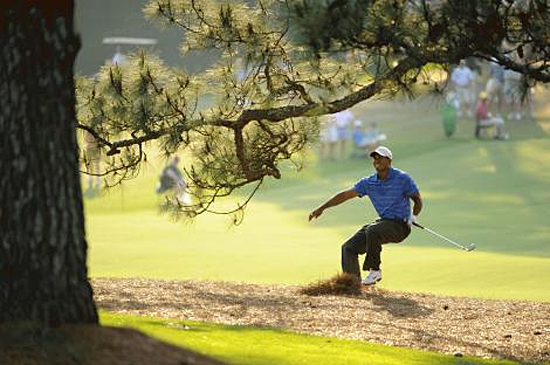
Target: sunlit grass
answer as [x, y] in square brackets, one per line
[495, 194]
[270, 346]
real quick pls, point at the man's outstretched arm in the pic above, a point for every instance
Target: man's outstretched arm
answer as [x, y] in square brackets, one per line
[337, 199]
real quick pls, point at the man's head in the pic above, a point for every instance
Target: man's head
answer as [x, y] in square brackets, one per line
[382, 158]
[483, 95]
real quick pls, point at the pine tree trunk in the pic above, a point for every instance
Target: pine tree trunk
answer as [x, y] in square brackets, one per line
[43, 274]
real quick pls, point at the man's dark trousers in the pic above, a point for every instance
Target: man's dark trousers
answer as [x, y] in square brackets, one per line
[370, 239]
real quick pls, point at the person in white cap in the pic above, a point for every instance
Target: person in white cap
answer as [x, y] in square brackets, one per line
[390, 191]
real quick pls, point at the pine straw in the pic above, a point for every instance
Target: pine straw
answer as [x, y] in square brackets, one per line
[341, 284]
[499, 329]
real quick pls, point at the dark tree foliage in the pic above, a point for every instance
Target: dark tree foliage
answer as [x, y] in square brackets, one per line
[513, 33]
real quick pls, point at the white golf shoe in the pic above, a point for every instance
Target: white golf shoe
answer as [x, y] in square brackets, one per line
[373, 277]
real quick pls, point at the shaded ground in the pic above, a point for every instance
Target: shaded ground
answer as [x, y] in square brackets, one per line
[89, 344]
[485, 328]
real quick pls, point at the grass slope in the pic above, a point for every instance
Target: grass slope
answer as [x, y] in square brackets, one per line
[256, 345]
[492, 193]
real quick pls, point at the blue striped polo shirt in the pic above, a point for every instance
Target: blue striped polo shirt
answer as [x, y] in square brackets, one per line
[390, 197]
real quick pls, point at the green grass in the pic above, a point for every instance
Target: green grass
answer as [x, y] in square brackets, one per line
[256, 345]
[495, 194]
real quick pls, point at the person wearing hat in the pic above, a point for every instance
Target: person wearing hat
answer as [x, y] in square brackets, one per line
[485, 120]
[390, 191]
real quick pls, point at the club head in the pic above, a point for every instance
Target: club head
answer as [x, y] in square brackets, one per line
[470, 247]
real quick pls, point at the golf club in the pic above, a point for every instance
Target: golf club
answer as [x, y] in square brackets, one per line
[468, 248]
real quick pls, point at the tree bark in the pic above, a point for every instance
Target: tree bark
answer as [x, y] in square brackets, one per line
[43, 273]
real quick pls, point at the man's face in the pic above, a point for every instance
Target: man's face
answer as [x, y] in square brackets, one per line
[380, 163]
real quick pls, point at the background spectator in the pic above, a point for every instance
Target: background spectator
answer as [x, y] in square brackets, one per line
[118, 57]
[342, 121]
[366, 141]
[484, 119]
[513, 94]
[172, 179]
[494, 87]
[463, 83]
[92, 160]
[328, 138]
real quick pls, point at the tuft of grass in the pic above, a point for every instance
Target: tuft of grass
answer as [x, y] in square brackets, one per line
[340, 284]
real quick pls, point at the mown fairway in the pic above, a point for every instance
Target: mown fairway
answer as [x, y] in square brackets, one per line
[495, 194]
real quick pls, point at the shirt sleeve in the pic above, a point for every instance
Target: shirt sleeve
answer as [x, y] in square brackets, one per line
[410, 186]
[362, 187]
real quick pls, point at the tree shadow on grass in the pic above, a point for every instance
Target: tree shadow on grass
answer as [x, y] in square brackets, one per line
[397, 307]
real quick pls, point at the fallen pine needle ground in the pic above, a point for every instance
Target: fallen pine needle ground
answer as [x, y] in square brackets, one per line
[499, 329]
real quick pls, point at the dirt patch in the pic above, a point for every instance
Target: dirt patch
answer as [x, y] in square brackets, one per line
[485, 328]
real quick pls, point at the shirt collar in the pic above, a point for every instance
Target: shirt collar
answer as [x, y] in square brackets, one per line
[391, 173]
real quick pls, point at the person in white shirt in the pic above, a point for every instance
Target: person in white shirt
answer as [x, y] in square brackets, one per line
[328, 138]
[342, 120]
[118, 58]
[463, 82]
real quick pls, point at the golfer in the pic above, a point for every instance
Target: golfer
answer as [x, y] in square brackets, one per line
[389, 190]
